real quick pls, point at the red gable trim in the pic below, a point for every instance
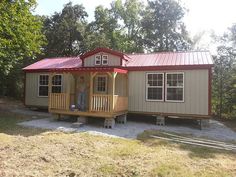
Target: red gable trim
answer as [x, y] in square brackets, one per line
[106, 50]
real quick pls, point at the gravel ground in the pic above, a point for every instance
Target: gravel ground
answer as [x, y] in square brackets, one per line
[131, 129]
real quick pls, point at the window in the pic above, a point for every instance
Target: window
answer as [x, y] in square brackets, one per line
[104, 59]
[175, 87]
[154, 86]
[44, 82]
[101, 59]
[101, 84]
[97, 59]
[57, 84]
[43, 85]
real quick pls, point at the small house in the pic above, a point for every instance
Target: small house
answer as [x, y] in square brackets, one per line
[163, 84]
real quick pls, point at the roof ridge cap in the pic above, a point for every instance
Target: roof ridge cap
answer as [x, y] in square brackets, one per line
[191, 51]
[52, 58]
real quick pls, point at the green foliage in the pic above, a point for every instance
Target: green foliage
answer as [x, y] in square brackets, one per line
[130, 27]
[163, 28]
[20, 38]
[130, 15]
[64, 31]
[20, 33]
[101, 32]
[224, 77]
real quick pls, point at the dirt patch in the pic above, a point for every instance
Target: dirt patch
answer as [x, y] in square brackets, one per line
[9, 124]
[9, 104]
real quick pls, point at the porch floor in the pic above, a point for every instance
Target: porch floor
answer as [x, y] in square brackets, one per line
[88, 113]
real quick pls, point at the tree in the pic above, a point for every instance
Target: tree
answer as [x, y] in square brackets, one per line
[105, 31]
[231, 36]
[65, 31]
[99, 33]
[20, 39]
[117, 27]
[224, 76]
[121, 27]
[163, 28]
[224, 92]
[130, 14]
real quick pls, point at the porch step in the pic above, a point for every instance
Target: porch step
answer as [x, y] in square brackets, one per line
[77, 125]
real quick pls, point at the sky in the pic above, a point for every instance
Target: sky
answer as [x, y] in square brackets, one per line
[202, 15]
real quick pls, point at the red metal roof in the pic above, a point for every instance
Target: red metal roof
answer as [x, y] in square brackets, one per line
[170, 59]
[55, 63]
[163, 59]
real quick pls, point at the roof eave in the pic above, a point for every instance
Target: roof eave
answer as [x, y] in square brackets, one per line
[91, 69]
[170, 67]
[132, 68]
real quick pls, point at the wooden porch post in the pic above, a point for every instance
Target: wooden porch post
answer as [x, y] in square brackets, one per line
[67, 90]
[127, 90]
[92, 75]
[49, 89]
[113, 90]
[67, 82]
[90, 91]
[127, 85]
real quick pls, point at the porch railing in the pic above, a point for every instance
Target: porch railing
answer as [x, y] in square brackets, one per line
[101, 103]
[59, 101]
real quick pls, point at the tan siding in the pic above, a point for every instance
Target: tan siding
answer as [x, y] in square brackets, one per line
[195, 94]
[112, 60]
[31, 94]
[72, 83]
[120, 85]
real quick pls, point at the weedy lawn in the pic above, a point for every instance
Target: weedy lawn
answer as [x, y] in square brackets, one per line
[35, 152]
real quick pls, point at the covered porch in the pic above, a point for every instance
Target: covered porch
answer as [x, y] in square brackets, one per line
[106, 96]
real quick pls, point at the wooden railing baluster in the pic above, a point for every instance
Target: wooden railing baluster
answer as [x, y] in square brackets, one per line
[100, 103]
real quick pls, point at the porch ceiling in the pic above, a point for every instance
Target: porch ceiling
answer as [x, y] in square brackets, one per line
[91, 69]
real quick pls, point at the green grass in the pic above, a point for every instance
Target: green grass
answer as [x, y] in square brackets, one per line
[8, 125]
[107, 169]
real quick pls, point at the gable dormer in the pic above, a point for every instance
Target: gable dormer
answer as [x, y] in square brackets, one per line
[103, 57]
